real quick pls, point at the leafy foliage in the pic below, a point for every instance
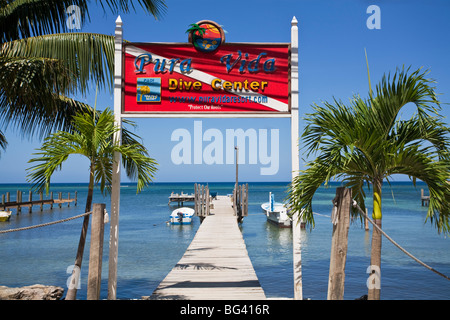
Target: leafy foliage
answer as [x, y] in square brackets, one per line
[41, 68]
[365, 143]
[21, 19]
[92, 137]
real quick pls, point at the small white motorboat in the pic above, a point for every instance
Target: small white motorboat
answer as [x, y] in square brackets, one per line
[182, 216]
[277, 213]
[5, 215]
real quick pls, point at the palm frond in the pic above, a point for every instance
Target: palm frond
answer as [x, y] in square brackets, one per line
[48, 113]
[303, 187]
[37, 73]
[25, 18]
[86, 57]
[393, 94]
[18, 74]
[92, 137]
[416, 131]
[196, 28]
[138, 165]
[3, 142]
[157, 8]
[54, 151]
[420, 164]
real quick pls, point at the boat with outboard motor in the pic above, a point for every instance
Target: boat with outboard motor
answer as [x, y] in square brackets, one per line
[277, 212]
[182, 216]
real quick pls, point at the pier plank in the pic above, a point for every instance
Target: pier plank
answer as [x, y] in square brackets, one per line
[216, 265]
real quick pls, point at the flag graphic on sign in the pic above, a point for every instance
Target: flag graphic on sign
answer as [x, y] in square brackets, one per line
[148, 90]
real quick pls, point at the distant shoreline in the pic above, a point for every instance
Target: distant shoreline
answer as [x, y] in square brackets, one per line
[203, 182]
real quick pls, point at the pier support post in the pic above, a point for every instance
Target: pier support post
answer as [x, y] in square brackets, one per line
[19, 200]
[207, 203]
[339, 243]
[96, 252]
[203, 201]
[30, 199]
[41, 199]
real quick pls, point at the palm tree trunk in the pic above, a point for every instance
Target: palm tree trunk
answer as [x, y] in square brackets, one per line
[375, 260]
[72, 291]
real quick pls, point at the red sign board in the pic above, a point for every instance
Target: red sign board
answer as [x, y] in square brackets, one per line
[179, 78]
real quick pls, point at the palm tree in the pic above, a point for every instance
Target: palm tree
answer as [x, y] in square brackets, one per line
[41, 68]
[195, 28]
[366, 143]
[92, 137]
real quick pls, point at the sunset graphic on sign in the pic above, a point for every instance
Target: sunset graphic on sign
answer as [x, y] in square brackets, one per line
[206, 36]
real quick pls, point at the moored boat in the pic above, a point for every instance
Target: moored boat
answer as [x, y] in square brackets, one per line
[277, 213]
[5, 215]
[182, 216]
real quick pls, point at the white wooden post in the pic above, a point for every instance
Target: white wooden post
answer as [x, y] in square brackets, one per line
[115, 191]
[294, 99]
[295, 161]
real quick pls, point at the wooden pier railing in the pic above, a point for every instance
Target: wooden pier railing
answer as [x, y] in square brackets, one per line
[19, 203]
[181, 198]
[240, 201]
[202, 201]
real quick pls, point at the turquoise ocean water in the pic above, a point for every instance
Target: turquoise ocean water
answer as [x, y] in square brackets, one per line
[149, 248]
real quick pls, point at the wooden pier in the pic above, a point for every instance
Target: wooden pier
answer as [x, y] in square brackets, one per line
[216, 265]
[181, 198]
[425, 199]
[18, 204]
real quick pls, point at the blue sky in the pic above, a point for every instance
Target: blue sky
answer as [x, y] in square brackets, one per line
[332, 38]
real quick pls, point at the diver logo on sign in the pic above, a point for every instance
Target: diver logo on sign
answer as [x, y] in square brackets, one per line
[148, 90]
